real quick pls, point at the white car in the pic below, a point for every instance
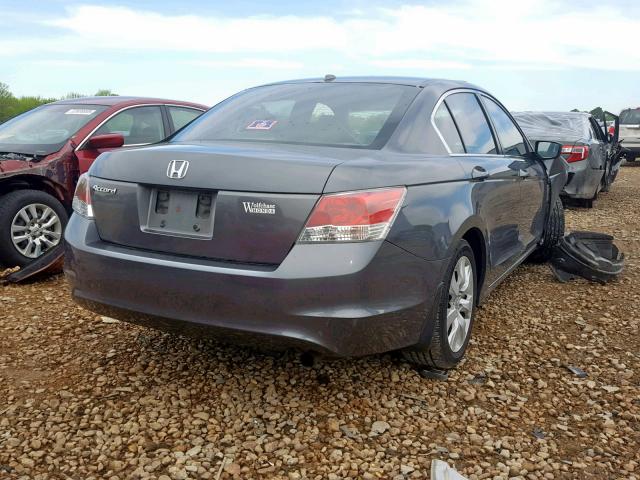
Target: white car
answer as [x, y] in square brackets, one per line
[630, 132]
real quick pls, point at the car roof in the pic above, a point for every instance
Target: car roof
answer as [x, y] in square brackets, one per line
[115, 100]
[410, 81]
[554, 114]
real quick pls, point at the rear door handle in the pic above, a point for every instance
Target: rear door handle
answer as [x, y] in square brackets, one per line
[479, 173]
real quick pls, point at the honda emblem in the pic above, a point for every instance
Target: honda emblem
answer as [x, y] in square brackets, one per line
[177, 168]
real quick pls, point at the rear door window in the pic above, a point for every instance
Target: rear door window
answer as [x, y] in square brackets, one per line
[472, 123]
[511, 140]
[448, 130]
[181, 116]
[139, 125]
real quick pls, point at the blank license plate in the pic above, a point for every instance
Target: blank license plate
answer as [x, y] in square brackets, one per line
[181, 213]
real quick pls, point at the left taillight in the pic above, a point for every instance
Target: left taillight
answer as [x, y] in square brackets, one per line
[82, 198]
[574, 153]
[354, 216]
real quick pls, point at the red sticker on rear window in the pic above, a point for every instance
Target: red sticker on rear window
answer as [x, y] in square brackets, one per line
[261, 124]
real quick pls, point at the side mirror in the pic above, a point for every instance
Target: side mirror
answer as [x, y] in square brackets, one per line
[548, 150]
[108, 140]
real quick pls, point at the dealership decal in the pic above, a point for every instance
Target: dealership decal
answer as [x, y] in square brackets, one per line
[259, 207]
[79, 111]
[261, 125]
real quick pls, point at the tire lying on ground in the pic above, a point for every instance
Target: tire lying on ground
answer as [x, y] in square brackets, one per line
[31, 222]
[553, 233]
[454, 313]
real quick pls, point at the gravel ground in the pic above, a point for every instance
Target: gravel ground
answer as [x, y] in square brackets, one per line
[85, 397]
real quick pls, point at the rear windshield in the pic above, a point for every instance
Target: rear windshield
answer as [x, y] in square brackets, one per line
[630, 117]
[356, 115]
[45, 129]
[541, 125]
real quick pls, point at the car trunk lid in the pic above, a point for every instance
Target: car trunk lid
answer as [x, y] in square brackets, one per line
[243, 204]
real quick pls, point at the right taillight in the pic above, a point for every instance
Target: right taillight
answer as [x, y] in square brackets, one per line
[574, 153]
[354, 216]
[82, 198]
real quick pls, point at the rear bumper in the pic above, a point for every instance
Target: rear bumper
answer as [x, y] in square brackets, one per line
[348, 300]
[633, 148]
[583, 183]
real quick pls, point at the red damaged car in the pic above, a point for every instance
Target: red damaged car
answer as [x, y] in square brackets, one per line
[44, 151]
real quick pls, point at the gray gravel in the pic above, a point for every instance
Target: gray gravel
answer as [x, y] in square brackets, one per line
[86, 397]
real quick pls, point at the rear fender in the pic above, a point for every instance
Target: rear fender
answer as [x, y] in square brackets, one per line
[481, 251]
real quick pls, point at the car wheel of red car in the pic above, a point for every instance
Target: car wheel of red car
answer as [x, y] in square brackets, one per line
[31, 223]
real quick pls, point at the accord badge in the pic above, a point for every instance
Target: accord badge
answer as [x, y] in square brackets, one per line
[101, 189]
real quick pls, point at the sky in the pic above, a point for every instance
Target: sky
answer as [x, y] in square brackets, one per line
[531, 54]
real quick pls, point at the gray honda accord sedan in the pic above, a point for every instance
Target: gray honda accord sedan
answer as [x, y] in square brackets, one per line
[342, 216]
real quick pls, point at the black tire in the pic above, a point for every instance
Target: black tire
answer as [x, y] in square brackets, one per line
[587, 202]
[439, 354]
[553, 233]
[10, 205]
[606, 181]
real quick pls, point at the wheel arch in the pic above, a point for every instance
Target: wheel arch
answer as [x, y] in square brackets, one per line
[34, 182]
[476, 241]
[474, 232]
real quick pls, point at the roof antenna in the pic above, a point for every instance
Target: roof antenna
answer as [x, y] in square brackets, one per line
[329, 77]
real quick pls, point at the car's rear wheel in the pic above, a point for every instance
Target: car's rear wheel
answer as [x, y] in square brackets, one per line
[31, 223]
[454, 314]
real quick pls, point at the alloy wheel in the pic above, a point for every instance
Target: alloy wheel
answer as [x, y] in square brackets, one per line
[35, 229]
[460, 306]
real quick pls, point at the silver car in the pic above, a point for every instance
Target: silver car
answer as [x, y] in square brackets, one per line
[589, 153]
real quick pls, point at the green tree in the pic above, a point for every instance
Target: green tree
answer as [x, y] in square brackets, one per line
[597, 112]
[105, 92]
[72, 95]
[4, 91]
[10, 105]
[6, 102]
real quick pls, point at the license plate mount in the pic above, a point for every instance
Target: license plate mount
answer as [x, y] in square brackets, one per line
[181, 213]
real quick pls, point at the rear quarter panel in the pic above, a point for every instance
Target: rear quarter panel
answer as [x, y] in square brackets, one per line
[440, 205]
